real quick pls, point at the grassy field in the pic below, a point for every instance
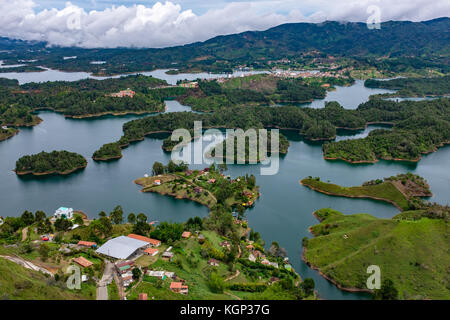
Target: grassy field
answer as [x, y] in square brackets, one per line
[413, 254]
[19, 283]
[385, 191]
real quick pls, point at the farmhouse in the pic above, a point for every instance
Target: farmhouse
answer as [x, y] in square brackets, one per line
[85, 263]
[122, 247]
[87, 244]
[178, 287]
[151, 252]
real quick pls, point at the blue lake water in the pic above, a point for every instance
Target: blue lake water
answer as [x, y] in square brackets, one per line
[282, 214]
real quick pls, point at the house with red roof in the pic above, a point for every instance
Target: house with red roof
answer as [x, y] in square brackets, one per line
[152, 242]
[179, 287]
[85, 263]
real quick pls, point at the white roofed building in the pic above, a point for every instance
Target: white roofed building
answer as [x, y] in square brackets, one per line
[122, 247]
[63, 212]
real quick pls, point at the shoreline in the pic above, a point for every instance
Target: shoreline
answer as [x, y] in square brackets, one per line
[323, 275]
[64, 173]
[353, 196]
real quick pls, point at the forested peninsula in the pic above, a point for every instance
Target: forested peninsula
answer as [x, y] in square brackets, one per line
[44, 163]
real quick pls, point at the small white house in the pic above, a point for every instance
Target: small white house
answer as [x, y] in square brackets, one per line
[65, 213]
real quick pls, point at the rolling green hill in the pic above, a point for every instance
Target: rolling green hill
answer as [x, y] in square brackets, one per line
[18, 283]
[412, 253]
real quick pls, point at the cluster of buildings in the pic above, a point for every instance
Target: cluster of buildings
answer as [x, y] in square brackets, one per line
[191, 85]
[125, 271]
[256, 255]
[124, 93]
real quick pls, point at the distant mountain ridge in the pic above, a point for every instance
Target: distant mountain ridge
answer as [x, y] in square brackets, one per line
[393, 39]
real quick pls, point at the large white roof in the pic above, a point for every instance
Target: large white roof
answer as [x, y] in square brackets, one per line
[121, 247]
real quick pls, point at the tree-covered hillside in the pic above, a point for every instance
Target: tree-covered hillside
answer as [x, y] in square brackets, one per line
[427, 41]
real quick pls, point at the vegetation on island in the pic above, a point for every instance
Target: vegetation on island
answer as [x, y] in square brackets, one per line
[419, 126]
[56, 162]
[245, 155]
[209, 187]
[414, 87]
[259, 89]
[403, 190]
[107, 152]
[411, 250]
[79, 99]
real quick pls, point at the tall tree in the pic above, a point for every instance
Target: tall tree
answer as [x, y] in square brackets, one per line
[117, 215]
[132, 218]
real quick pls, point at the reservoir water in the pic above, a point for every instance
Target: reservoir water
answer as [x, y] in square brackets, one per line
[282, 214]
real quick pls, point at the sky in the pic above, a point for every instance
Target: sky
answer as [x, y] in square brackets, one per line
[150, 23]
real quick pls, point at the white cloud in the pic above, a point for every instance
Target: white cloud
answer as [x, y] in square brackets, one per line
[167, 24]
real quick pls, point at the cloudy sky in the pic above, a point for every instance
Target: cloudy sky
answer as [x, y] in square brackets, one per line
[148, 23]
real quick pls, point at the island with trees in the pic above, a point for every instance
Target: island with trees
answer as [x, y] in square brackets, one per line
[134, 94]
[209, 187]
[410, 249]
[48, 163]
[413, 87]
[107, 152]
[419, 127]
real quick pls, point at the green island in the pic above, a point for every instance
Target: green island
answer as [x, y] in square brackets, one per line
[261, 89]
[48, 163]
[283, 146]
[420, 127]
[107, 152]
[217, 257]
[401, 190]
[208, 187]
[413, 87]
[134, 94]
[410, 249]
